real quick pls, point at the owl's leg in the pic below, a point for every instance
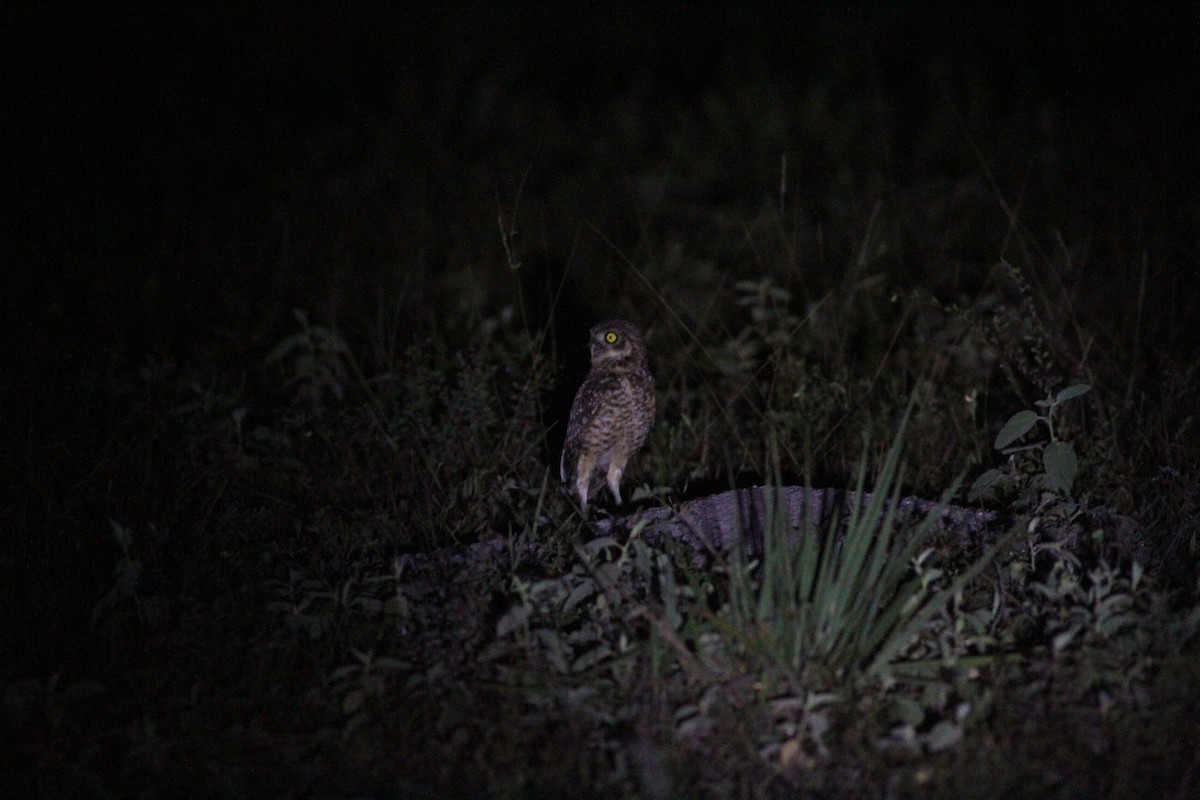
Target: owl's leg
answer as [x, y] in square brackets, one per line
[583, 477]
[614, 479]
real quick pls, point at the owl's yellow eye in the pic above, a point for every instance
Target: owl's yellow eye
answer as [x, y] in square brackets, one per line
[610, 337]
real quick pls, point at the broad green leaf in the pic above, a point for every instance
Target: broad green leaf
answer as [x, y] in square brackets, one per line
[591, 658]
[583, 591]
[1071, 392]
[514, 618]
[983, 484]
[1016, 427]
[1059, 460]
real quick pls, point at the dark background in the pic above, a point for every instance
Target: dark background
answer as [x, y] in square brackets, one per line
[116, 110]
[167, 192]
[159, 157]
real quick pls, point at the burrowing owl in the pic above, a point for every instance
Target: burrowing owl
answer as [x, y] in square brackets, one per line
[612, 412]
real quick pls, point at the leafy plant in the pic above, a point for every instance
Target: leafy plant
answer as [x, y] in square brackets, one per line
[315, 362]
[1059, 464]
[844, 603]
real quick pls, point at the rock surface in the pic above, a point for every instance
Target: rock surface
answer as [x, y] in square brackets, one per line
[716, 523]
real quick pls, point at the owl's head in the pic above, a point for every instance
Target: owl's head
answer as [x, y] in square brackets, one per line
[616, 341]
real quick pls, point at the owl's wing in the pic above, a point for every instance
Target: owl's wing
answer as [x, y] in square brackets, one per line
[576, 425]
[586, 411]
